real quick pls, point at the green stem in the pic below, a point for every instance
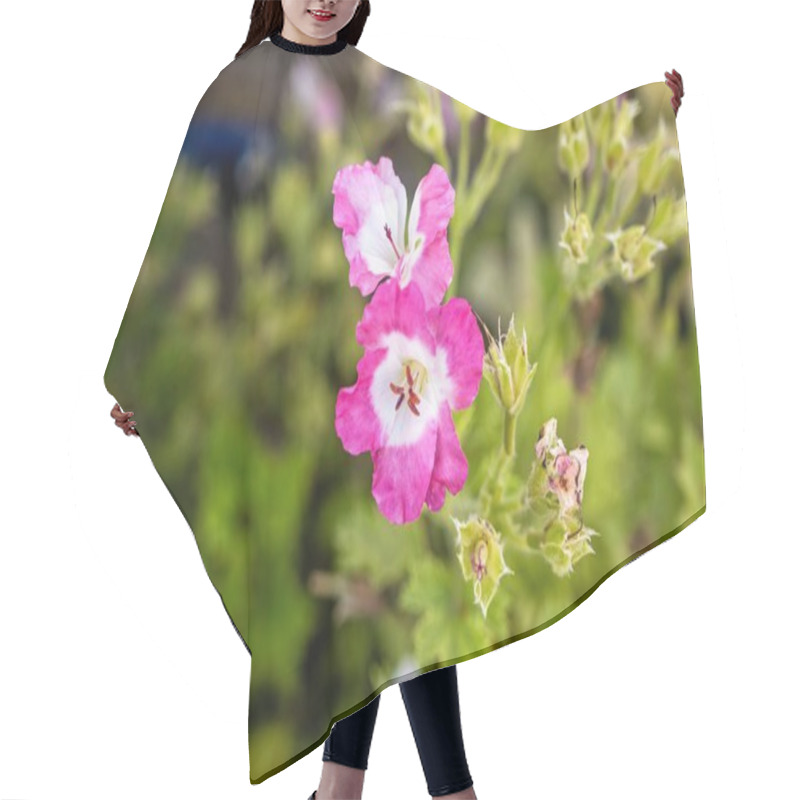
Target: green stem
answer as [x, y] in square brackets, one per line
[608, 206]
[510, 434]
[442, 157]
[557, 311]
[594, 187]
[472, 199]
[456, 239]
[628, 208]
[492, 492]
[463, 159]
[462, 192]
[441, 148]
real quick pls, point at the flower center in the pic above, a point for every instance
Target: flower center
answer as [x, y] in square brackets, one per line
[413, 379]
[478, 559]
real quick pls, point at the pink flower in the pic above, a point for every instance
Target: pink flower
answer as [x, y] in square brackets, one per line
[370, 207]
[565, 471]
[419, 365]
[318, 96]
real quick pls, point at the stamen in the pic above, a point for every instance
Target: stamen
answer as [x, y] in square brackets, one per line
[407, 393]
[388, 232]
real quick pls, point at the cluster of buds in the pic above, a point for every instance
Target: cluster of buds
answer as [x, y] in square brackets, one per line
[610, 129]
[480, 553]
[555, 494]
[507, 369]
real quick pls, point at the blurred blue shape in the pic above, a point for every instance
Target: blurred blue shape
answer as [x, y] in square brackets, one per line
[231, 148]
[215, 142]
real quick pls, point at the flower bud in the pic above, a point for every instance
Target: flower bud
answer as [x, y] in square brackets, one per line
[600, 122]
[577, 236]
[669, 219]
[656, 160]
[502, 136]
[618, 147]
[573, 146]
[507, 369]
[425, 122]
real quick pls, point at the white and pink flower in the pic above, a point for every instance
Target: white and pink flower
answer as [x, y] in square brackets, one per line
[564, 472]
[371, 207]
[420, 364]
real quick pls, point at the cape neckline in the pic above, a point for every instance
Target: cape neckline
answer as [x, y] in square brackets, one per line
[311, 49]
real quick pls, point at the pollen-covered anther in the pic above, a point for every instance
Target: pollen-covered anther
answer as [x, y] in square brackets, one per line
[406, 390]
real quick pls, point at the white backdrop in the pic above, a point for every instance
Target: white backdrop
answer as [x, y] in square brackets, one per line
[120, 673]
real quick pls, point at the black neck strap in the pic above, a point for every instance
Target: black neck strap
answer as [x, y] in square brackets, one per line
[310, 49]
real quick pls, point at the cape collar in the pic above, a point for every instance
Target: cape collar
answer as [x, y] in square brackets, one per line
[310, 49]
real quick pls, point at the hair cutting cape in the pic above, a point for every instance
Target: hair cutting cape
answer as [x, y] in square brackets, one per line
[418, 381]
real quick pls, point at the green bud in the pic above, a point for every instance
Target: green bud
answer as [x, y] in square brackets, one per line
[618, 145]
[656, 160]
[507, 369]
[669, 219]
[425, 122]
[634, 251]
[480, 553]
[465, 114]
[601, 123]
[498, 374]
[502, 136]
[577, 236]
[573, 146]
[548, 438]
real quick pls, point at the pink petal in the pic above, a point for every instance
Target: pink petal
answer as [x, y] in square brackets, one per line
[367, 199]
[402, 476]
[356, 423]
[457, 334]
[394, 310]
[429, 264]
[450, 466]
